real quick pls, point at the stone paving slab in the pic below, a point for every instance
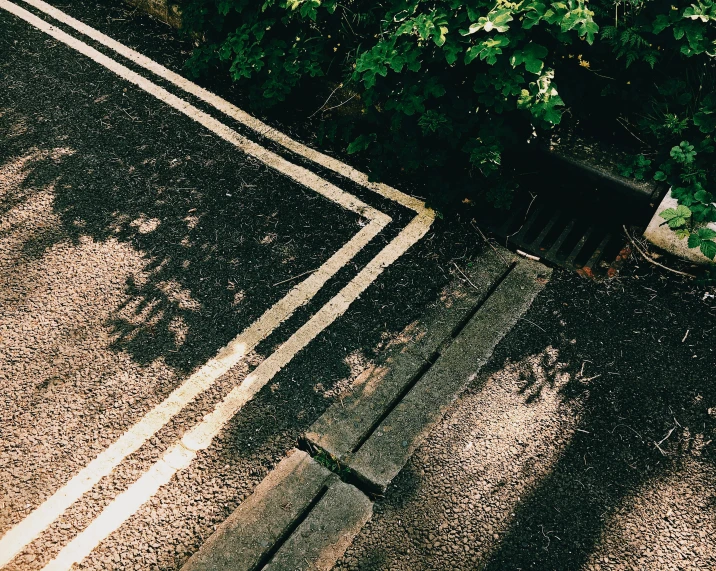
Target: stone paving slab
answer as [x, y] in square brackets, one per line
[324, 535]
[343, 427]
[458, 302]
[376, 428]
[300, 516]
[246, 538]
[387, 450]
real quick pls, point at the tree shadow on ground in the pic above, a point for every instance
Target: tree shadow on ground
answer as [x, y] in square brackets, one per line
[641, 398]
[217, 229]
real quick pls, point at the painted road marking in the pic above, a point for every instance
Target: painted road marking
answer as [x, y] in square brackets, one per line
[180, 455]
[299, 174]
[18, 537]
[41, 518]
[234, 112]
[35, 523]
[38, 520]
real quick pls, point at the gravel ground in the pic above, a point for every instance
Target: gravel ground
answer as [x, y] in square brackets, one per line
[550, 460]
[133, 246]
[116, 251]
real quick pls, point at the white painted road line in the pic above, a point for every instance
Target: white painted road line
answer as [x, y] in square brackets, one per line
[18, 537]
[232, 111]
[183, 452]
[38, 520]
[41, 518]
[299, 174]
[27, 530]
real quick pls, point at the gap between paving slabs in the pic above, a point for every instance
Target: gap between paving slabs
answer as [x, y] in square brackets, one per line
[303, 515]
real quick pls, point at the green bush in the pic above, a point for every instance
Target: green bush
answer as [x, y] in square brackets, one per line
[449, 86]
[661, 63]
[438, 84]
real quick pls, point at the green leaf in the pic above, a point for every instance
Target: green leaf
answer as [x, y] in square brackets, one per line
[361, 143]
[542, 99]
[532, 55]
[703, 10]
[706, 233]
[681, 233]
[224, 6]
[708, 249]
[668, 214]
[452, 50]
[704, 196]
[694, 241]
[677, 222]
[494, 21]
[660, 24]
[676, 217]
[487, 50]
[499, 20]
[684, 153]
[705, 120]
[533, 15]
[580, 19]
[659, 175]
[683, 211]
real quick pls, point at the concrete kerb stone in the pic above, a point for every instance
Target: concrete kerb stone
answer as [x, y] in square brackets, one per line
[344, 425]
[300, 507]
[322, 538]
[659, 234]
[302, 515]
[458, 302]
[390, 446]
[339, 430]
[378, 460]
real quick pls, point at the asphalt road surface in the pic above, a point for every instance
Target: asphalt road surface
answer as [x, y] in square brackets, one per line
[177, 301]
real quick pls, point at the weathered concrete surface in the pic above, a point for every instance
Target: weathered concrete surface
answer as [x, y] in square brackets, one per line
[299, 493]
[341, 428]
[387, 450]
[659, 234]
[346, 423]
[322, 538]
[249, 534]
[457, 302]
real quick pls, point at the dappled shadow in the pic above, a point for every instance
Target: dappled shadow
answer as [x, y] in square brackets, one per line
[643, 404]
[549, 461]
[217, 228]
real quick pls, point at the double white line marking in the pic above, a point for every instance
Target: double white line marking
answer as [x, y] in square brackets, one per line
[181, 454]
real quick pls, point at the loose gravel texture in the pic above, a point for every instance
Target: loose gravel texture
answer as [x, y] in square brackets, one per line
[550, 460]
[134, 245]
[547, 462]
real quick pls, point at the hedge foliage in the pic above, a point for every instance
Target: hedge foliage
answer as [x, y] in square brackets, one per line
[437, 85]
